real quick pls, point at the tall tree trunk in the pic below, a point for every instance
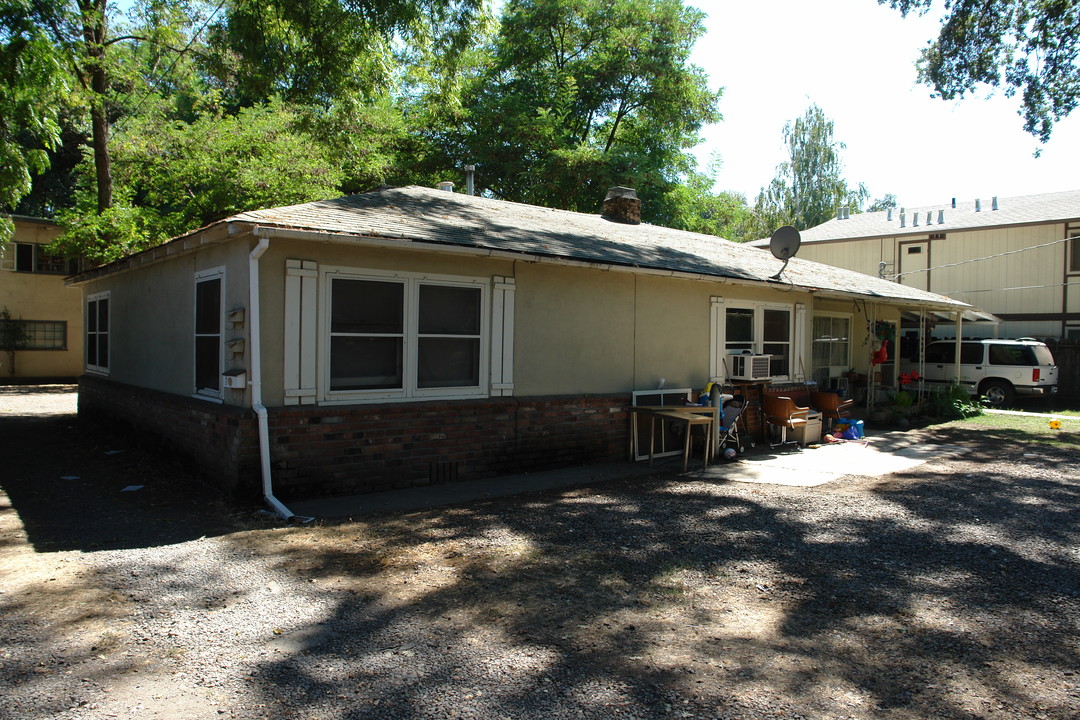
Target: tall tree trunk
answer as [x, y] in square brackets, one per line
[93, 22]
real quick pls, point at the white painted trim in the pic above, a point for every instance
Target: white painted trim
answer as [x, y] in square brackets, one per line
[411, 283]
[97, 369]
[718, 371]
[502, 337]
[201, 276]
[301, 332]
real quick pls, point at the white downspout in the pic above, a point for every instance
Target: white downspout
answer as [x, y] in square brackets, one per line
[256, 385]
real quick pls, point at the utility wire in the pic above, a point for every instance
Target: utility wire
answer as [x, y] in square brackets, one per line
[176, 59]
[1021, 287]
[988, 257]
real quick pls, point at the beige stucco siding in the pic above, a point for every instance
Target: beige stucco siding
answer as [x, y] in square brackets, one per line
[576, 330]
[41, 297]
[151, 333]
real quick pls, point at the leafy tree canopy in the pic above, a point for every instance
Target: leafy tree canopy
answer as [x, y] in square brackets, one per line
[576, 96]
[1028, 47]
[809, 185]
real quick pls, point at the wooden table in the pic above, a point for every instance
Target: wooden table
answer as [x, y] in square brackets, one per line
[690, 415]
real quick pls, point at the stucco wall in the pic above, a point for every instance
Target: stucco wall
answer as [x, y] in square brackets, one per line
[36, 296]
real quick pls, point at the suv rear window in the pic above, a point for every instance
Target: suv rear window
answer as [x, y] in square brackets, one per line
[1012, 355]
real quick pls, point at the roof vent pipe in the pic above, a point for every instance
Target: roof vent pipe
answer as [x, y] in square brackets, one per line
[847, 213]
[940, 217]
[954, 203]
[993, 203]
[929, 216]
[888, 214]
[839, 213]
[470, 171]
[621, 204]
[445, 185]
[915, 220]
[978, 205]
[903, 219]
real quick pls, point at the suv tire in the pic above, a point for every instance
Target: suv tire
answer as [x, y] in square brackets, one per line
[998, 393]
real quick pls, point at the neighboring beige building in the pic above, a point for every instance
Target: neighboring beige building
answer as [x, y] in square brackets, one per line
[32, 290]
[412, 335]
[1017, 258]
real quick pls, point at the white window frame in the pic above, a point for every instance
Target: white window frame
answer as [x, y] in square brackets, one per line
[409, 389]
[720, 364]
[95, 299]
[217, 273]
[813, 338]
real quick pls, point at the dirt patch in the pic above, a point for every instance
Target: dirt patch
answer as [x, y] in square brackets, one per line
[948, 590]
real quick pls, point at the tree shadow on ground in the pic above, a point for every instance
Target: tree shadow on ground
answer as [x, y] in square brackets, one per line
[947, 595]
[83, 487]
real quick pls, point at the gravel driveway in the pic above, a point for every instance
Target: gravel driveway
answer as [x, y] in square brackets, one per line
[950, 590]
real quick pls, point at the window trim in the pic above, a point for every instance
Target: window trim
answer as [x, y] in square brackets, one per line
[61, 324]
[758, 308]
[1072, 244]
[208, 275]
[95, 299]
[813, 338]
[411, 289]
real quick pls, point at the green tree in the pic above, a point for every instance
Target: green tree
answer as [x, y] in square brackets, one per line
[12, 337]
[693, 205]
[173, 176]
[32, 85]
[579, 95]
[883, 203]
[809, 185]
[1029, 47]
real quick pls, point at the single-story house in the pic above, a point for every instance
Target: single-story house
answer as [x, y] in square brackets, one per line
[1016, 258]
[412, 335]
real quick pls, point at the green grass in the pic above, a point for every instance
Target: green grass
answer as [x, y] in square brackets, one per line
[1028, 428]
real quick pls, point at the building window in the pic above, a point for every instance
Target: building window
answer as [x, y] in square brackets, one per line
[405, 337]
[97, 333]
[761, 330]
[35, 334]
[31, 258]
[208, 322]
[1072, 233]
[831, 348]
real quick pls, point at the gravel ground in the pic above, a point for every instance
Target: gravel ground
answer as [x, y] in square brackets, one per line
[951, 590]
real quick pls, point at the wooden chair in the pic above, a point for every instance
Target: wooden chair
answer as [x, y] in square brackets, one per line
[783, 413]
[830, 405]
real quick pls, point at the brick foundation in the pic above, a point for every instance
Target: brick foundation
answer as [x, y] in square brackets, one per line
[367, 448]
[220, 440]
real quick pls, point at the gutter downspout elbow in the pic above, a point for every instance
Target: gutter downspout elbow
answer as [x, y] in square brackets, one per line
[256, 386]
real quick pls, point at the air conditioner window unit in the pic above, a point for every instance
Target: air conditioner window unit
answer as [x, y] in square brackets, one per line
[750, 367]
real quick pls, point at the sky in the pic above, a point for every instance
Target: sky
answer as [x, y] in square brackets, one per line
[856, 60]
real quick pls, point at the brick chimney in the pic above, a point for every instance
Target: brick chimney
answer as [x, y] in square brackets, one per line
[622, 205]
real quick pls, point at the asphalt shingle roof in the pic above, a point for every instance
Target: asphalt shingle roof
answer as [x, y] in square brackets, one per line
[1024, 210]
[425, 215]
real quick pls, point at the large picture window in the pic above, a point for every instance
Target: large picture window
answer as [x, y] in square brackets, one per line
[405, 337]
[97, 333]
[208, 322]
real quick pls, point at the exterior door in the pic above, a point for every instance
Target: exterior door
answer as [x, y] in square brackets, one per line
[914, 261]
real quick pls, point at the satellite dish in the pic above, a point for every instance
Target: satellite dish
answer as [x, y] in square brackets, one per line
[784, 244]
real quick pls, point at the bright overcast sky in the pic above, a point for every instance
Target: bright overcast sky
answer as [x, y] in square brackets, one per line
[855, 60]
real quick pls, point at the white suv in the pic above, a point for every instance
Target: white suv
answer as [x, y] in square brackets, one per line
[998, 370]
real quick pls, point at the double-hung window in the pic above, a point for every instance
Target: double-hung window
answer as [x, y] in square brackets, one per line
[831, 351]
[405, 336]
[760, 329]
[97, 333]
[209, 285]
